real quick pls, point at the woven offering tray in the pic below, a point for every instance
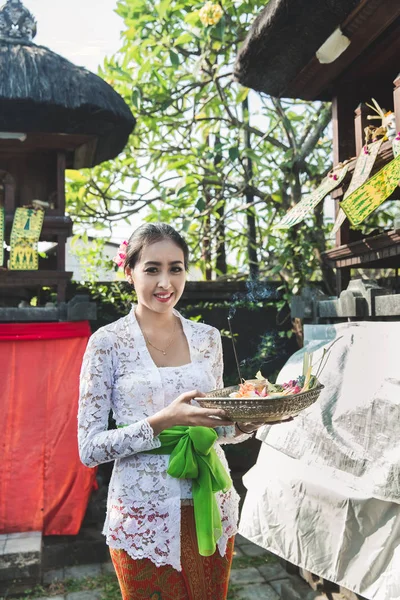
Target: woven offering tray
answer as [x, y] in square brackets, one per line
[260, 401]
[258, 409]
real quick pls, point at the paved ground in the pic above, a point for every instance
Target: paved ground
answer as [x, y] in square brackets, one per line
[256, 575]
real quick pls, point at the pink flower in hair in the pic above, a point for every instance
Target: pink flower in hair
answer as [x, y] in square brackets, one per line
[120, 257]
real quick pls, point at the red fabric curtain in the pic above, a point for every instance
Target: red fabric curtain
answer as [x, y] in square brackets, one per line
[43, 485]
[43, 331]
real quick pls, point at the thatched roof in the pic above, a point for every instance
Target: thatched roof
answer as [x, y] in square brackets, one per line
[41, 91]
[284, 38]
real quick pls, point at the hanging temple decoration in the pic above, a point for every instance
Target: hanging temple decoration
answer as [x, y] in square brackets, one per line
[16, 22]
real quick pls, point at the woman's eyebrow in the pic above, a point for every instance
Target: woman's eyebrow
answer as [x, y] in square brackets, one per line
[158, 264]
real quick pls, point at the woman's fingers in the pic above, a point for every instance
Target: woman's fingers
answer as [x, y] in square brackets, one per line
[218, 412]
[213, 417]
[188, 396]
[186, 413]
[210, 412]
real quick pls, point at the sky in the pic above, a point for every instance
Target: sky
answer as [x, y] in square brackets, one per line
[84, 31]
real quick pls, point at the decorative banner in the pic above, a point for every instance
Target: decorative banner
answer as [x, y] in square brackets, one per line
[309, 202]
[340, 219]
[367, 198]
[396, 145]
[2, 223]
[25, 234]
[365, 161]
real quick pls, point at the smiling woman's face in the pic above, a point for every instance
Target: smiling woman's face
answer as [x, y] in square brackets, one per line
[159, 276]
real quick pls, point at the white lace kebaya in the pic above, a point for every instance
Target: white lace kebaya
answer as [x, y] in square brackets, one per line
[119, 374]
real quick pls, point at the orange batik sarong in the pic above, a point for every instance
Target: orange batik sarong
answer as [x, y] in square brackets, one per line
[201, 578]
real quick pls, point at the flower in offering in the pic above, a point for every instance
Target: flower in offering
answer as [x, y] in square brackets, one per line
[260, 387]
[265, 389]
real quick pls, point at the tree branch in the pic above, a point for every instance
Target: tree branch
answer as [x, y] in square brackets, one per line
[309, 144]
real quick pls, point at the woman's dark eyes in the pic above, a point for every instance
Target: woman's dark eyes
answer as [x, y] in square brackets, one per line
[153, 270]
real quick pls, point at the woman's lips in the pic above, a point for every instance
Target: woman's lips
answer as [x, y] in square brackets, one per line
[163, 297]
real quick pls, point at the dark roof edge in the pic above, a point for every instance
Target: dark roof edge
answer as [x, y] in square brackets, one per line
[284, 38]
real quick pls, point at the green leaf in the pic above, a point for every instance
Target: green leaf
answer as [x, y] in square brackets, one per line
[218, 30]
[136, 98]
[186, 224]
[200, 115]
[75, 176]
[174, 58]
[234, 153]
[184, 38]
[193, 18]
[195, 318]
[242, 95]
[200, 204]
[162, 8]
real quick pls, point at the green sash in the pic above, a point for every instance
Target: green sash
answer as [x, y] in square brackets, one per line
[193, 456]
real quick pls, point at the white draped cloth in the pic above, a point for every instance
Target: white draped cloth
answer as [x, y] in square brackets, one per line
[325, 491]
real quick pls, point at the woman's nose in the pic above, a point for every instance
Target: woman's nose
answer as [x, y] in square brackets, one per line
[164, 280]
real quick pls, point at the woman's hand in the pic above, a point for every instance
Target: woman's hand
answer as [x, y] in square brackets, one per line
[182, 412]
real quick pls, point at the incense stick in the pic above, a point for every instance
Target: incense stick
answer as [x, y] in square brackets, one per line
[234, 351]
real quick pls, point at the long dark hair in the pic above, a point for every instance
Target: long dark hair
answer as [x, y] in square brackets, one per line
[148, 234]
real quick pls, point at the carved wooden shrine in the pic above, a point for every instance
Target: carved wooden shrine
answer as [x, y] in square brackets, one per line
[281, 56]
[53, 116]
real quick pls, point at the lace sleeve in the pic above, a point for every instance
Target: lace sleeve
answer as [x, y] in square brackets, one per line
[96, 444]
[226, 435]
[217, 359]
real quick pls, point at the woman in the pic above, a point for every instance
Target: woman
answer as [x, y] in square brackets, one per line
[147, 368]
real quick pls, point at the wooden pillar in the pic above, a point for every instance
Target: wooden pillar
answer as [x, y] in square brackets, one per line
[343, 128]
[9, 193]
[60, 209]
[61, 164]
[396, 101]
[344, 147]
[61, 291]
[61, 241]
